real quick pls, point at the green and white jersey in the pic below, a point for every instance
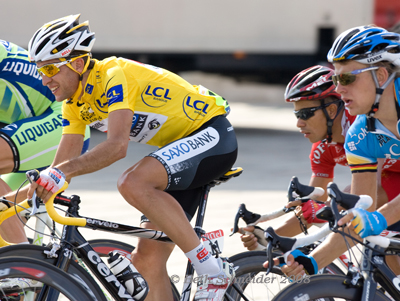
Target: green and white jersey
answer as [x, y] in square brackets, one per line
[22, 94]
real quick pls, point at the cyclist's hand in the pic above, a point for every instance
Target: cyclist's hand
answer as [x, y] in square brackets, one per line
[50, 181]
[248, 238]
[310, 209]
[293, 204]
[367, 223]
[298, 264]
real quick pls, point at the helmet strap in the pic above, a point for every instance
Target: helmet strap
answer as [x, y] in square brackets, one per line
[375, 107]
[329, 120]
[88, 66]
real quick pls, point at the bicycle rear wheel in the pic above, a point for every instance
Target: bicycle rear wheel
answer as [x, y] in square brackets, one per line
[23, 278]
[323, 287]
[252, 281]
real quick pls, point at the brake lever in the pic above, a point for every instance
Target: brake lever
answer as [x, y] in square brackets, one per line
[248, 217]
[33, 176]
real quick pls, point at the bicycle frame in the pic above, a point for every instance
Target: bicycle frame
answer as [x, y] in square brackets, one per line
[74, 242]
[373, 267]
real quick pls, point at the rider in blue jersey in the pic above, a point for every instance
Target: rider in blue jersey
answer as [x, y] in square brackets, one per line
[366, 61]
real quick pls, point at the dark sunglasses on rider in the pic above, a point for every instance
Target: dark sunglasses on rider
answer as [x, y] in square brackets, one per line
[307, 113]
[349, 77]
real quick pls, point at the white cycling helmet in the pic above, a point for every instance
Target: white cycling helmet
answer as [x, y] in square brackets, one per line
[61, 38]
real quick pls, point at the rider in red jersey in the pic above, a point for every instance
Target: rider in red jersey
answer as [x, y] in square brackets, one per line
[322, 119]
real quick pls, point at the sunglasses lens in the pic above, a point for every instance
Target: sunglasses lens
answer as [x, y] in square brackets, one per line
[49, 70]
[344, 79]
[304, 114]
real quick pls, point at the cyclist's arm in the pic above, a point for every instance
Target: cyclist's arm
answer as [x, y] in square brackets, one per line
[105, 153]
[323, 183]
[70, 147]
[365, 183]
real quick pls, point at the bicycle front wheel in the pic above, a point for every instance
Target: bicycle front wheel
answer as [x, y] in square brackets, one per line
[23, 278]
[252, 281]
[324, 287]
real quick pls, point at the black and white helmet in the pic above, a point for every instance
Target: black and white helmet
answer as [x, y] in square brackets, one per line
[61, 38]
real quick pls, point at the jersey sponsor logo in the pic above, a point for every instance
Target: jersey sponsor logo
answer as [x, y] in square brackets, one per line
[100, 125]
[138, 123]
[100, 105]
[154, 124]
[392, 151]
[89, 89]
[383, 139]
[79, 104]
[22, 67]
[88, 115]
[34, 132]
[145, 126]
[194, 109]
[155, 97]
[318, 153]
[6, 45]
[322, 175]
[184, 149]
[341, 159]
[115, 94]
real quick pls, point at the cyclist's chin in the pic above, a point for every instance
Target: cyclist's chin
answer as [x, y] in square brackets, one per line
[313, 138]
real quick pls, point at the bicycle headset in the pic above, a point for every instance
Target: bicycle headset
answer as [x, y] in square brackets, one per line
[369, 45]
[315, 83]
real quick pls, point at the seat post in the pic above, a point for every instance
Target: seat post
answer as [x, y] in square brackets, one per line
[201, 211]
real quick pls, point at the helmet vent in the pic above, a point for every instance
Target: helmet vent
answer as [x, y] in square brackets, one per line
[43, 44]
[87, 41]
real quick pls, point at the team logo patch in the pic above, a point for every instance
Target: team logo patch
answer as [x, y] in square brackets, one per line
[155, 96]
[115, 94]
[194, 109]
[89, 89]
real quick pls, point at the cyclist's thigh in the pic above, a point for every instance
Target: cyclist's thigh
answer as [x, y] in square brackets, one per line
[199, 158]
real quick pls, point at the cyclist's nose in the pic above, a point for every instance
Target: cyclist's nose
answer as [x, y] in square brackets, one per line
[300, 123]
[46, 80]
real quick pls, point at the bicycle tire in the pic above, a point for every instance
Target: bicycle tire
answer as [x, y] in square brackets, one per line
[75, 270]
[324, 287]
[23, 277]
[252, 281]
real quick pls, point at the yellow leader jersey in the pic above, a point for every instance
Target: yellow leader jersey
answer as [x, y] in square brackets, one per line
[165, 106]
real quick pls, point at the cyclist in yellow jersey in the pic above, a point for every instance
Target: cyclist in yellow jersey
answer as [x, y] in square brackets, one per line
[146, 104]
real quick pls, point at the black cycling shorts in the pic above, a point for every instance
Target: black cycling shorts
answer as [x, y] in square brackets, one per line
[196, 160]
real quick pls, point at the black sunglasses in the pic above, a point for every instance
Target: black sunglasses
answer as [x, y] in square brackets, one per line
[307, 113]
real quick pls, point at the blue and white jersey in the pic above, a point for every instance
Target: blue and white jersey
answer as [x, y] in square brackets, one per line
[363, 148]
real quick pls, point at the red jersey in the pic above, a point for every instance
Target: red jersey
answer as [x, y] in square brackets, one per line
[324, 158]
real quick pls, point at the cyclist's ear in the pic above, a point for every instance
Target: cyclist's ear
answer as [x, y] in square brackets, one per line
[382, 74]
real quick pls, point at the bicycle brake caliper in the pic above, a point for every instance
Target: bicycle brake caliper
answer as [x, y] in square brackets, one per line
[53, 252]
